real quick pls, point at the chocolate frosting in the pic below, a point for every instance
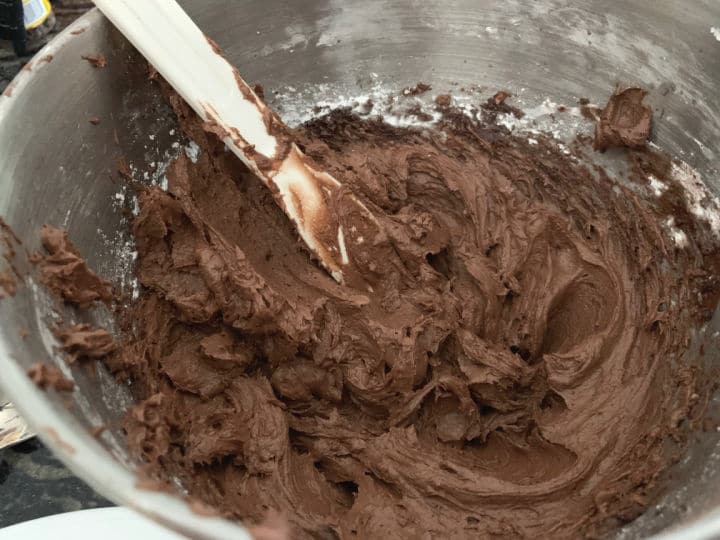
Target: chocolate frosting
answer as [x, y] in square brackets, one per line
[516, 370]
[625, 120]
[48, 376]
[64, 272]
[84, 341]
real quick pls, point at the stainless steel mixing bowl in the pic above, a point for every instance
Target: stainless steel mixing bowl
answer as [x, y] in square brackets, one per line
[56, 167]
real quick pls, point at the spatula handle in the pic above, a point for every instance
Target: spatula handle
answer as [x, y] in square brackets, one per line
[169, 39]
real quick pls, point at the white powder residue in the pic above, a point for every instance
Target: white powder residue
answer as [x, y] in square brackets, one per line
[467, 108]
[120, 246]
[657, 186]
[395, 109]
[292, 104]
[678, 235]
[358, 104]
[122, 198]
[715, 31]
[135, 290]
[154, 173]
[192, 151]
[126, 255]
[545, 118]
[410, 120]
[511, 122]
[701, 203]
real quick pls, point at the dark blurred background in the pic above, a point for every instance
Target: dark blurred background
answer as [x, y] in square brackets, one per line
[65, 12]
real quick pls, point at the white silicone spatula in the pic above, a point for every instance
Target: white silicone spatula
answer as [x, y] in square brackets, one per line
[194, 66]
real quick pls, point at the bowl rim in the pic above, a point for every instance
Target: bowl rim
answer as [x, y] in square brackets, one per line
[88, 460]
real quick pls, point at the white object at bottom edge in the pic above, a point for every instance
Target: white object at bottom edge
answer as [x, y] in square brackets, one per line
[95, 524]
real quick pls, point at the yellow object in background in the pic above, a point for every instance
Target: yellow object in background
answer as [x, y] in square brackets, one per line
[35, 12]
